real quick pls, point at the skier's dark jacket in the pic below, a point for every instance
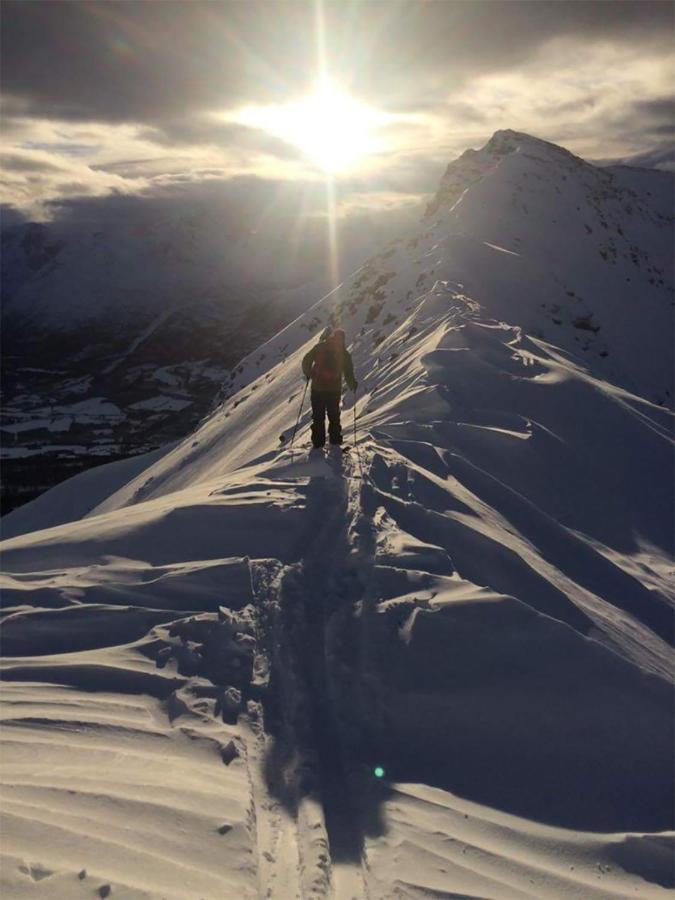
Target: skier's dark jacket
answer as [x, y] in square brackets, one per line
[327, 362]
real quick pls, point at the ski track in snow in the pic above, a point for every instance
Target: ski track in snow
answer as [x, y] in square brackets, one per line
[208, 652]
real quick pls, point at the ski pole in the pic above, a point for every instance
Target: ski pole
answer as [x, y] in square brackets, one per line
[297, 421]
[354, 409]
[358, 455]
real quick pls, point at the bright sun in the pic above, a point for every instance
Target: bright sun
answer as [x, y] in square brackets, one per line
[331, 128]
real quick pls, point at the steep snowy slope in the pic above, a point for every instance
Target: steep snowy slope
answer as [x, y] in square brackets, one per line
[477, 599]
[117, 333]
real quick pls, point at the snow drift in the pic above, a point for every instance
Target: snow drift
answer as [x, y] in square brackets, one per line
[206, 656]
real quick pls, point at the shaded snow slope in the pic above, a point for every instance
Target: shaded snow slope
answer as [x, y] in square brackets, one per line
[478, 598]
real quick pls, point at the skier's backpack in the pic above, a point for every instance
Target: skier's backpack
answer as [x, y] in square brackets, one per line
[327, 368]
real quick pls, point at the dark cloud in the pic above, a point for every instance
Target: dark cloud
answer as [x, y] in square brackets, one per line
[649, 120]
[248, 200]
[154, 62]
[655, 117]
[147, 61]
[132, 168]
[14, 162]
[659, 156]
[461, 111]
[659, 108]
[572, 107]
[68, 149]
[441, 45]
[200, 129]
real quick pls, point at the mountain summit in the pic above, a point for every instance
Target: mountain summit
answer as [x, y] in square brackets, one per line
[438, 665]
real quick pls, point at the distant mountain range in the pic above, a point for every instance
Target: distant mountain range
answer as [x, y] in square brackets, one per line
[118, 337]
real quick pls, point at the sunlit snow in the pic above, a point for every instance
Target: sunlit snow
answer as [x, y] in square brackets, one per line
[437, 665]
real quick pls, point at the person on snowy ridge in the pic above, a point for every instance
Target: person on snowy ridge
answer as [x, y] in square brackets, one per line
[325, 364]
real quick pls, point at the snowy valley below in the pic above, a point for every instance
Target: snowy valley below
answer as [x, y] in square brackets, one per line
[438, 665]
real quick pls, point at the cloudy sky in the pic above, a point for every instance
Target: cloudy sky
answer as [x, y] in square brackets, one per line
[156, 100]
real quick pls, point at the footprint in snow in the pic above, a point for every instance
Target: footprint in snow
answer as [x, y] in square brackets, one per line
[229, 753]
[36, 872]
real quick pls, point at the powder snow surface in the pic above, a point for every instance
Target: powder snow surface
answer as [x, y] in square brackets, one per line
[208, 651]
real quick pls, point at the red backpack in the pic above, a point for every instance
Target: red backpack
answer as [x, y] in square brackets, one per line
[327, 368]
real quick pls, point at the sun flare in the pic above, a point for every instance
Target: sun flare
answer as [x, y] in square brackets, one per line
[333, 130]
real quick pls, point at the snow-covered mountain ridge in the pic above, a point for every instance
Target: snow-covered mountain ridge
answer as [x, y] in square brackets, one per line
[561, 217]
[478, 598]
[584, 255]
[118, 334]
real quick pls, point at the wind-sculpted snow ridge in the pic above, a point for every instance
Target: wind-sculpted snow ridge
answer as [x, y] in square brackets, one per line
[205, 670]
